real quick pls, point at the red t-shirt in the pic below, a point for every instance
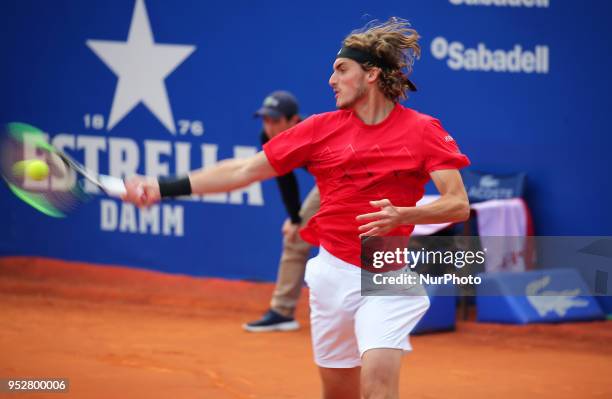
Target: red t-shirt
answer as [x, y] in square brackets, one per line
[354, 163]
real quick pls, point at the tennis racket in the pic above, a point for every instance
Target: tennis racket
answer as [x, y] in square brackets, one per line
[60, 191]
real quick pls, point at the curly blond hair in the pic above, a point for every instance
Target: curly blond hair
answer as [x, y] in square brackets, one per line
[396, 44]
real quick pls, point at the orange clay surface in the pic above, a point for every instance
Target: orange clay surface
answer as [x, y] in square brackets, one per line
[125, 333]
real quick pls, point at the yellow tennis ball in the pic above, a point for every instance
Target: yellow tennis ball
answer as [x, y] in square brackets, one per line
[36, 169]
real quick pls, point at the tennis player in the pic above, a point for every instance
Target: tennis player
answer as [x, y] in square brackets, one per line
[371, 159]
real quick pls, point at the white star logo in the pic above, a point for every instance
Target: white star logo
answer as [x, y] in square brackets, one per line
[141, 66]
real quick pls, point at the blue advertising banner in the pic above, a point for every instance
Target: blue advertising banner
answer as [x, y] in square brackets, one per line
[160, 87]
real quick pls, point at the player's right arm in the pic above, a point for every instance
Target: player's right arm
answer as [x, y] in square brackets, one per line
[227, 175]
[231, 174]
[282, 154]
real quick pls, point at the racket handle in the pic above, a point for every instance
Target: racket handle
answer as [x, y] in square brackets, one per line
[113, 186]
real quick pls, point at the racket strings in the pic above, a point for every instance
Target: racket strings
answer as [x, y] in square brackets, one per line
[58, 193]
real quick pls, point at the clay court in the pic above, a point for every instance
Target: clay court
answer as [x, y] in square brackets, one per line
[123, 333]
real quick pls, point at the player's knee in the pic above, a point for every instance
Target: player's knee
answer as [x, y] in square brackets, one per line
[378, 385]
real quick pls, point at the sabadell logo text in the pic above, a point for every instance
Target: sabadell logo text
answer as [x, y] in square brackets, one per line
[482, 58]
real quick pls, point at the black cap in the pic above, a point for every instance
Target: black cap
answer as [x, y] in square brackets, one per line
[278, 104]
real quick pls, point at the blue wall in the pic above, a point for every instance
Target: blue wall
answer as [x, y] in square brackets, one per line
[550, 125]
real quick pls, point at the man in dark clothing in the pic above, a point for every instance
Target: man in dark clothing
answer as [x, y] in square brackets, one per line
[279, 112]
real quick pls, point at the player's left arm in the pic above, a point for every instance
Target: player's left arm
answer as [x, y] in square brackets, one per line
[452, 206]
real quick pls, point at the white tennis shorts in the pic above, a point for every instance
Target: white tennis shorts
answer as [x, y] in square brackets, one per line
[345, 324]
